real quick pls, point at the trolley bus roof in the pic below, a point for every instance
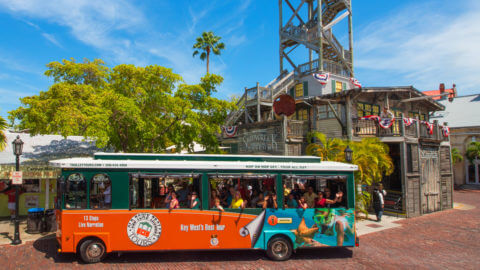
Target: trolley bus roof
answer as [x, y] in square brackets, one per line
[188, 164]
[205, 157]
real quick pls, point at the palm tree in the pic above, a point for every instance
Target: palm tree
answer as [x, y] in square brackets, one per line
[473, 151]
[207, 43]
[373, 160]
[3, 136]
[456, 156]
[326, 148]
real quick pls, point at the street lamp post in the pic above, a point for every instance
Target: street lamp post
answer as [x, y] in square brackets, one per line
[17, 151]
[348, 154]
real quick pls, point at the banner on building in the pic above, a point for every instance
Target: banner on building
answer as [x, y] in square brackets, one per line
[321, 78]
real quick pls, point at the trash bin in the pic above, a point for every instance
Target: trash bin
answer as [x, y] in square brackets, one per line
[50, 222]
[34, 220]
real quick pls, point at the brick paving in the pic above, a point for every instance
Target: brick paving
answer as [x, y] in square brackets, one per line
[448, 239]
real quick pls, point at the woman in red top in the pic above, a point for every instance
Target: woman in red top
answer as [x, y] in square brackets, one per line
[321, 201]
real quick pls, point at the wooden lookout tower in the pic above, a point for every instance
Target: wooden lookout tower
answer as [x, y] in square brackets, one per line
[308, 45]
[308, 25]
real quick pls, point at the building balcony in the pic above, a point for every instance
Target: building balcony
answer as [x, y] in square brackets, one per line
[418, 129]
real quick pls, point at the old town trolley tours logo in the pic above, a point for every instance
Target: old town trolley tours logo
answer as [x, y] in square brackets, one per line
[144, 229]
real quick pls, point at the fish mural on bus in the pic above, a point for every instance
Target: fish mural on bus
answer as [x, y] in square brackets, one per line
[311, 227]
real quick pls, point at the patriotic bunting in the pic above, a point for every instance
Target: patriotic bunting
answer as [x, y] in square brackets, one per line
[355, 82]
[429, 127]
[382, 122]
[445, 131]
[408, 121]
[230, 131]
[321, 78]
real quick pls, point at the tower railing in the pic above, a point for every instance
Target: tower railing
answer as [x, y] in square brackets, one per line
[328, 66]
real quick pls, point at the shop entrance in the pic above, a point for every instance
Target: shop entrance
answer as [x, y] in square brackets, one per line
[393, 182]
[430, 179]
[473, 171]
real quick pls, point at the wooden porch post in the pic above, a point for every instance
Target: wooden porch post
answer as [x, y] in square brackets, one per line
[348, 107]
[350, 36]
[402, 126]
[280, 17]
[320, 35]
[259, 116]
[245, 105]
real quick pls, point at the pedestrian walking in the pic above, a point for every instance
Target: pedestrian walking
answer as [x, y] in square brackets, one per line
[378, 201]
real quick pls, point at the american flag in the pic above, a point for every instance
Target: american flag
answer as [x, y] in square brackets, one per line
[321, 78]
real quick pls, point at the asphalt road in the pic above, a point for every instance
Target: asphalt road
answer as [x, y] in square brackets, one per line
[448, 239]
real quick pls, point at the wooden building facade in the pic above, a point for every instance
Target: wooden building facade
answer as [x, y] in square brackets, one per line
[422, 180]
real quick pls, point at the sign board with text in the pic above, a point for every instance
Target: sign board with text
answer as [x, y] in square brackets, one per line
[17, 178]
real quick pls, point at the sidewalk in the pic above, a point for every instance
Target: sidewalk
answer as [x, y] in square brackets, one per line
[7, 229]
[370, 225]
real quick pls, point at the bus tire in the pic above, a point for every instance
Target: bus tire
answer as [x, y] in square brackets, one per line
[92, 251]
[279, 248]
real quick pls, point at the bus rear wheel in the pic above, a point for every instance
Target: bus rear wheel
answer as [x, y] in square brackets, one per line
[92, 251]
[279, 249]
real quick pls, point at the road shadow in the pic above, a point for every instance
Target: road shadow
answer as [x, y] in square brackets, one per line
[6, 235]
[225, 255]
[48, 246]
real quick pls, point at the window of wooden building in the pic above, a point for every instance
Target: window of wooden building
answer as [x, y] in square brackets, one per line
[302, 114]
[421, 116]
[364, 109]
[325, 112]
[338, 86]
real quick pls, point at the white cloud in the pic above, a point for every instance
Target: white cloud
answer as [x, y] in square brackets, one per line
[90, 21]
[52, 39]
[123, 33]
[424, 46]
[235, 40]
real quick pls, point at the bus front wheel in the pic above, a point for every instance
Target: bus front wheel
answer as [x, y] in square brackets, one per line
[279, 248]
[92, 251]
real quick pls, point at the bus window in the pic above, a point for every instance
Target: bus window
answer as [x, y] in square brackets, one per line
[76, 195]
[159, 191]
[315, 190]
[242, 190]
[100, 191]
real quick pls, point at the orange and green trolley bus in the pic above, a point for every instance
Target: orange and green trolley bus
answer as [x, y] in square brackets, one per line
[158, 202]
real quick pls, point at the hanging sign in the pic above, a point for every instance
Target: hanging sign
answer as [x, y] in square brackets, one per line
[17, 178]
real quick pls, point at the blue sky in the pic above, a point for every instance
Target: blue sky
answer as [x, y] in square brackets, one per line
[419, 43]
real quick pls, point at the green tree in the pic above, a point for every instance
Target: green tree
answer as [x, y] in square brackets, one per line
[206, 44]
[3, 136]
[127, 108]
[456, 156]
[326, 148]
[473, 151]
